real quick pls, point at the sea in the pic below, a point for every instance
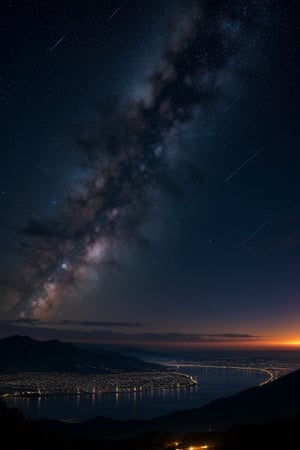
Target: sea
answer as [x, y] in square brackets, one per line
[218, 374]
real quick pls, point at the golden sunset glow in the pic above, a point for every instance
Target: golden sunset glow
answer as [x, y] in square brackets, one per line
[293, 343]
[286, 344]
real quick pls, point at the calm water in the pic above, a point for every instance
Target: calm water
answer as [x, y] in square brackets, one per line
[212, 383]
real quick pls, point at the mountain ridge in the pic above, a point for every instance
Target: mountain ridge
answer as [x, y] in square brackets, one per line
[25, 354]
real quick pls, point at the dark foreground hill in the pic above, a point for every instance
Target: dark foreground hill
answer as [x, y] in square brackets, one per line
[18, 433]
[277, 400]
[24, 354]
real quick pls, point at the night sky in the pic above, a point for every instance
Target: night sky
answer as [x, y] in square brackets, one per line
[149, 179]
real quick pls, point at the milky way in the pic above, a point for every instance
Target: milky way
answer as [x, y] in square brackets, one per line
[129, 155]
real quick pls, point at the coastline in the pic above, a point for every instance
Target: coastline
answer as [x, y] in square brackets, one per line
[148, 403]
[54, 384]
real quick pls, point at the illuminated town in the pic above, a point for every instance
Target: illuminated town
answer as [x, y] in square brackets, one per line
[43, 383]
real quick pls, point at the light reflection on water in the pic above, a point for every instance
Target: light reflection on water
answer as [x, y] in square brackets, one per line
[212, 384]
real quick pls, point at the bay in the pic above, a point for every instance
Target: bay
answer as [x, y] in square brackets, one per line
[213, 383]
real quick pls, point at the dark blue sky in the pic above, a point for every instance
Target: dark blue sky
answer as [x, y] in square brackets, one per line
[149, 175]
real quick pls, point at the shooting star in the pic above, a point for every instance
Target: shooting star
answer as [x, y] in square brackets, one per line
[246, 162]
[254, 233]
[231, 104]
[117, 10]
[57, 43]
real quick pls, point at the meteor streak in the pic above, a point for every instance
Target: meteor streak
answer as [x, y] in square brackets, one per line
[57, 43]
[246, 162]
[117, 10]
[254, 233]
[231, 104]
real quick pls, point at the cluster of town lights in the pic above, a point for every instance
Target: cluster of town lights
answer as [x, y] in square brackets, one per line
[193, 447]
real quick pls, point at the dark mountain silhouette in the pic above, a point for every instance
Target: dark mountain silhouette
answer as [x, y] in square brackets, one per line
[18, 432]
[279, 399]
[24, 354]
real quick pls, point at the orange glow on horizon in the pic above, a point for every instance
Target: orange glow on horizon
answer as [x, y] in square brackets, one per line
[260, 344]
[293, 343]
[277, 343]
[286, 344]
[251, 345]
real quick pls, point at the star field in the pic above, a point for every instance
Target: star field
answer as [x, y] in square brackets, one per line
[150, 168]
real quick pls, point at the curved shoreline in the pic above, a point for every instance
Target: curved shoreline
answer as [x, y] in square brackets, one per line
[146, 377]
[144, 381]
[272, 375]
[149, 403]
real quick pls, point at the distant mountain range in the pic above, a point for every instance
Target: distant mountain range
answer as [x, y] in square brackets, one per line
[277, 400]
[24, 354]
